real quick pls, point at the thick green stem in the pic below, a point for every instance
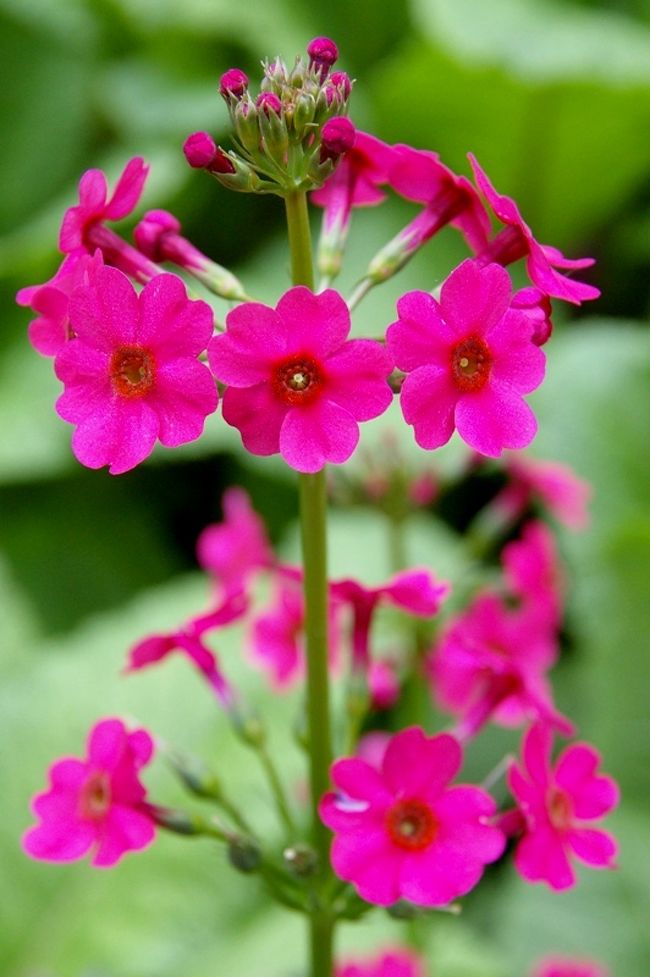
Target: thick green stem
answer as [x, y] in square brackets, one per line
[313, 513]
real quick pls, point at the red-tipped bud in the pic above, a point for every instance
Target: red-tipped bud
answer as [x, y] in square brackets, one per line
[221, 162]
[149, 232]
[337, 137]
[199, 149]
[233, 82]
[341, 81]
[322, 52]
[268, 102]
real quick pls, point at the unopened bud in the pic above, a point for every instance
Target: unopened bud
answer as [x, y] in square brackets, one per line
[196, 776]
[244, 855]
[268, 102]
[404, 910]
[199, 149]
[323, 53]
[337, 137]
[179, 822]
[341, 81]
[301, 859]
[248, 727]
[233, 82]
[149, 233]
[304, 111]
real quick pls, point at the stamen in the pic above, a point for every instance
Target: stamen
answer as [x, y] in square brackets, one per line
[132, 371]
[411, 824]
[471, 362]
[297, 380]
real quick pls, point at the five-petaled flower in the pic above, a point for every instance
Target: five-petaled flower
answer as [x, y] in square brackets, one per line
[402, 832]
[94, 207]
[558, 804]
[131, 374]
[469, 360]
[295, 383]
[396, 962]
[97, 803]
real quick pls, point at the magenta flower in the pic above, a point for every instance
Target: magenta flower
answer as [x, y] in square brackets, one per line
[414, 591]
[277, 639]
[188, 641]
[383, 684]
[469, 359]
[94, 208]
[390, 963]
[419, 175]
[131, 375]
[51, 300]
[569, 967]
[516, 241]
[537, 306]
[293, 367]
[534, 574]
[96, 803]
[402, 832]
[550, 483]
[558, 804]
[491, 664]
[236, 549]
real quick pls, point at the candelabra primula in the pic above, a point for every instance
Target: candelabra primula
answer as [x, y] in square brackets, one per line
[130, 347]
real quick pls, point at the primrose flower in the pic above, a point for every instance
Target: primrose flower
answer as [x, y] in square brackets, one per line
[414, 591]
[550, 483]
[390, 963]
[95, 804]
[516, 241]
[236, 549]
[469, 360]
[292, 367]
[569, 967]
[131, 374]
[558, 804]
[49, 333]
[402, 832]
[534, 574]
[277, 639]
[491, 663]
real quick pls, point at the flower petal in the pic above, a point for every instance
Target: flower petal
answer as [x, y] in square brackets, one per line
[105, 314]
[314, 435]
[419, 765]
[357, 375]
[495, 418]
[428, 399]
[172, 325]
[183, 396]
[128, 189]
[121, 435]
[317, 324]
[258, 415]
[474, 297]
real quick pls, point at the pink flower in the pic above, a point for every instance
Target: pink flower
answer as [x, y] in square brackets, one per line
[293, 367]
[337, 137]
[131, 374]
[94, 207]
[491, 663]
[533, 571]
[569, 967]
[277, 640]
[537, 307]
[372, 747]
[187, 640]
[355, 182]
[552, 484]
[237, 548]
[383, 684]
[51, 330]
[414, 591]
[469, 359]
[516, 241]
[389, 963]
[558, 804]
[419, 175]
[401, 832]
[96, 803]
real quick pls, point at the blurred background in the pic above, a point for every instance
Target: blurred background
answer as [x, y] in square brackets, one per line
[554, 99]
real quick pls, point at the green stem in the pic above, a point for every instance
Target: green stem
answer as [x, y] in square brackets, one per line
[360, 291]
[278, 790]
[313, 530]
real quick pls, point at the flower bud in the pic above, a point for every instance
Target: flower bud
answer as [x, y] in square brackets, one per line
[301, 860]
[341, 81]
[322, 52]
[180, 822]
[537, 307]
[149, 232]
[196, 776]
[268, 102]
[337, 137]
[199, 149]
[304, 111]
[233, 82]
[244, 855]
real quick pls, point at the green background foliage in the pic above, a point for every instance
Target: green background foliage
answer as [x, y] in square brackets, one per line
[554, 99]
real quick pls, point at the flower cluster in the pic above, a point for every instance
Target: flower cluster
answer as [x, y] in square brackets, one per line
[142, 362]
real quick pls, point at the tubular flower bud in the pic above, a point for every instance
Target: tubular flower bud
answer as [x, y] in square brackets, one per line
[233, 82]
[268, 102]
[199, 149]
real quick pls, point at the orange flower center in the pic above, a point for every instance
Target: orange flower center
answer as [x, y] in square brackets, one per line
[297, 380]
[95, 796]
[132, 371]
[560, 809]
[470, 364]
[411, 824]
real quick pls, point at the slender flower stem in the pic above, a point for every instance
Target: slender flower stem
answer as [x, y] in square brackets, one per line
[313, 515]
[360, 292]
[277, 789]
